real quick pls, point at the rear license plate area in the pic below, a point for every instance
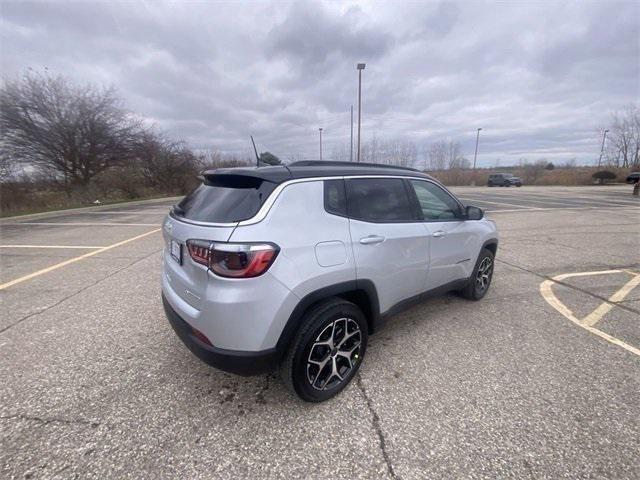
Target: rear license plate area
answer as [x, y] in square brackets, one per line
[176, 251]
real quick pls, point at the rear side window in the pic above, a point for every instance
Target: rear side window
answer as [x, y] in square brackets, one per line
[225, 199]
[379, 200]
[335, 200]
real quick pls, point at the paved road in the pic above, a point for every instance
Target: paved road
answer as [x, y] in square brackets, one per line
[94, 384]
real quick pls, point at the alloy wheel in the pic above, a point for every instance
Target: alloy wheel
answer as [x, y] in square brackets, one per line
[483, 276]
[334, 354]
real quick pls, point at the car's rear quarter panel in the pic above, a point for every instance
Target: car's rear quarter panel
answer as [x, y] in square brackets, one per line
[308, 238]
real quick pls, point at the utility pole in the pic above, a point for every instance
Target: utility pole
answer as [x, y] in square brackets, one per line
[604, 137]
[475, 156]
[360, 69]
[351, 144]
[320, 130]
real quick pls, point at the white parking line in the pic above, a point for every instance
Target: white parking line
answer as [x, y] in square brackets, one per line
[494, 203]
[51, 246]
[73, 260]
[83, 224]
[128, 212]
[529, 200]
[545, 209]
[583, 201]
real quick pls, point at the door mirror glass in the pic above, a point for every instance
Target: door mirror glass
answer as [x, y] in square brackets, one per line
[473, 213]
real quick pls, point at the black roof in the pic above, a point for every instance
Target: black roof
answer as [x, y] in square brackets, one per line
[310, 169]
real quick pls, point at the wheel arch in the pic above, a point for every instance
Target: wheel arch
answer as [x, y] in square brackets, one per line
[362, 293]
[491, 245]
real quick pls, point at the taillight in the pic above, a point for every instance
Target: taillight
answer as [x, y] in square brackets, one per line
[234, 260]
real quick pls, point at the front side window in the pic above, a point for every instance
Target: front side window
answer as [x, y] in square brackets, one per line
[435, 203]
[379, 200]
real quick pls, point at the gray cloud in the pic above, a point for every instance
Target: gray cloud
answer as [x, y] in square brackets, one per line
[540, 78]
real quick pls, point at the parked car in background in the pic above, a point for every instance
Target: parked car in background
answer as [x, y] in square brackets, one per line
[633, 177]
[503, 180]
[295, 266]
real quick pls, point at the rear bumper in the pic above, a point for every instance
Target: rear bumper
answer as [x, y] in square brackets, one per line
[232, 361]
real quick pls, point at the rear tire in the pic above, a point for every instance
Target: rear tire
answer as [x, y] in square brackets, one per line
[327, 351]
[480, 280]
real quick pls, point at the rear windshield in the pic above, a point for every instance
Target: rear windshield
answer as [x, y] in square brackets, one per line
[225, 200]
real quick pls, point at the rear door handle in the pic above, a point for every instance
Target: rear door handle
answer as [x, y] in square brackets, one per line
[439, 233]
[371, 239]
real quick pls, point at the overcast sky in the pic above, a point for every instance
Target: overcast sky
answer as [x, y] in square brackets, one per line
[539, 78]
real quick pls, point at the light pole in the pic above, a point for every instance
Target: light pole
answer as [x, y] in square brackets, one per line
[604, 137]
[320, 130]
[475, 156]
[360, 69]
[351, 144]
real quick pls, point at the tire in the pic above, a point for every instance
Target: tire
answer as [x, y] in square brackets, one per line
[480, 280]
[321, 362]
[489, 184]
[518, 184]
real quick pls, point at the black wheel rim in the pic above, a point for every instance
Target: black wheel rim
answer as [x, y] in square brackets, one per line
[334, 354]
[483, 275]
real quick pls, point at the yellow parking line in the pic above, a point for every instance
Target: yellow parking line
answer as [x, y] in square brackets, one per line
[595, 316]
[73, 260]
[547, 293]
[50, 246]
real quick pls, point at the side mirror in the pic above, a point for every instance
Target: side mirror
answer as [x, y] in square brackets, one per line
[473, 213]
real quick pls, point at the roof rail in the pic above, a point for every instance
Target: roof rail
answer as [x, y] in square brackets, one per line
[331, 163]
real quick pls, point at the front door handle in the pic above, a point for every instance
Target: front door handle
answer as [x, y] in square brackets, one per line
[439, 233]
[371, 239]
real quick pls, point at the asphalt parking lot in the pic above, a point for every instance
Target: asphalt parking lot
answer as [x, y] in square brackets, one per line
[541, 379]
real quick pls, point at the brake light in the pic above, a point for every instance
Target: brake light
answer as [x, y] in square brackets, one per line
[199, 251]
[233, 260]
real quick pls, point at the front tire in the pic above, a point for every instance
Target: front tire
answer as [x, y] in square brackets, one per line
[481, 277]
[327, 351]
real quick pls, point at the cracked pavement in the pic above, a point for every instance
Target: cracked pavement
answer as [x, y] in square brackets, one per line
[94, 383]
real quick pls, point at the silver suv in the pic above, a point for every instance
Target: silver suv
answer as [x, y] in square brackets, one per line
[295, 266]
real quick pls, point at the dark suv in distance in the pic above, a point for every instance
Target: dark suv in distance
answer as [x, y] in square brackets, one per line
[633, 177]
[503, 180]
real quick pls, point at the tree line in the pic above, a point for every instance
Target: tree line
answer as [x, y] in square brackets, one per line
[76, 135]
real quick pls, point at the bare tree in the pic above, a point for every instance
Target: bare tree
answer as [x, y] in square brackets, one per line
[445, 154]
[8, 168]
[623, 146]
[341, 153]
[212, 158]
[400, 152]
[75, 131]
[165, 164]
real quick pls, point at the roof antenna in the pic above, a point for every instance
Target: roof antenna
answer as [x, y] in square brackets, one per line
[256, 151]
